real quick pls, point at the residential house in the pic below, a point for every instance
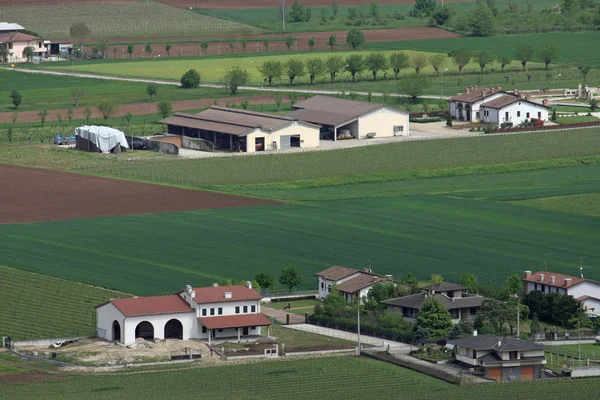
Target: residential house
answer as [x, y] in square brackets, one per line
[350, 282]
[500, 358]
[16, 42]
[462, 305]
[208, 313]
[586, 291]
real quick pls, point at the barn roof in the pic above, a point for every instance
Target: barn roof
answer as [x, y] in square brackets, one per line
[12, 37]
[336, 272]
[235, 321]
[216, 294]
[150, 305]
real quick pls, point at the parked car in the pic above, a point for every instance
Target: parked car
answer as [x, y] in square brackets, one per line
[136, 143]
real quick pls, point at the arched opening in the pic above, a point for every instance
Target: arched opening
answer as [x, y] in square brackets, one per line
[173, 329]
[144, 330]
[468, 111]
[116, 331]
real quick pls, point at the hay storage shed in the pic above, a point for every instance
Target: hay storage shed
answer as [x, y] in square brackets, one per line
[100, 139]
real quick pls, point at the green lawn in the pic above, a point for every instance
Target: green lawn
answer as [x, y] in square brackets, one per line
[8, 369]
[578, 204]
[294, 304]
[576, 119]
[296, 341]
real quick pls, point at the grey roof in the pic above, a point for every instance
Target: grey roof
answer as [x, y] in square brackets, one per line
[444, 287]
[336, 272]
[8, 26]
[490, 342]
[416, 301]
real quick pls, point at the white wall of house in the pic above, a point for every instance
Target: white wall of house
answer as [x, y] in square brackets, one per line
[228, 308]
[456, 111]
[517, 113]
[326, 284]
[584, 289]
[382, 123]
[105, 316]
[188, 320]
[531, 286]
[592, 306]
[309, 136]
[16, 49]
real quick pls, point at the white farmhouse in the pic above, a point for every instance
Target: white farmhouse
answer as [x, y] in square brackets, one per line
[583, 290]
[350, 282]
[208, 313]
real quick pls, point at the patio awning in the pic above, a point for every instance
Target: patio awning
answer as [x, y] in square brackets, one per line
[235, 321]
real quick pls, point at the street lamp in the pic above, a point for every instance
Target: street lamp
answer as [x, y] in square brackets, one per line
[441, 90]
[345, 66]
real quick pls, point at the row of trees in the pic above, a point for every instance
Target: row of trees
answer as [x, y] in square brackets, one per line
[231, 80]
[290, 278]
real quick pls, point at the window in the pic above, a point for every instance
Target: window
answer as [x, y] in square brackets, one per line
[237, 309]
[539, 115]
[252, 308]
[245, 309]
[543, 289]
[203, 329]
[474, 354]
[398, 129]
[252, 327]
[514, 355]
[527, 115]
[535, 287]
[518, 113]
[220, 311]
[220, 330]
[329, 288]
[212, 311]
[473, 311]
[506, 116]
[450, 294]
[10, 46]
[322, 285]
[204, 312]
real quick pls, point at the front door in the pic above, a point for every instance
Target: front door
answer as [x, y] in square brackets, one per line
[245, 331]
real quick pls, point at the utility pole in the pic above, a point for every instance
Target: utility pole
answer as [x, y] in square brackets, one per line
[283, 13]
[579, 329]
[581, 265]
[546, 260]
[358, 328]
[518, 323]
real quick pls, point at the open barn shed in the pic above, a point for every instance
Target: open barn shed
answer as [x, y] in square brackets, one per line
[100, 139]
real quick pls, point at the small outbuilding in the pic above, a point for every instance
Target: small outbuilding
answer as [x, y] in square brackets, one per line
[233, 129]
[351, 119]
[101, 139]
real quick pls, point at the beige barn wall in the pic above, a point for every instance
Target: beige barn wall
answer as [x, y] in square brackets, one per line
[309, 134]
[382, 122]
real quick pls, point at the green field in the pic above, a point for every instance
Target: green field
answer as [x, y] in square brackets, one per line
[110, 20]
[344, 378]
[34, 306]
[576, 119]
[579, 204]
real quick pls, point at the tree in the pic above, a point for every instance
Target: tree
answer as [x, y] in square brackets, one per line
[548, 52]
[79, 30]
[535, 324]
[481, 21]
[413, 85]
[128, 116]
[307, 14]
[333, 65]
[584, 69]
[469, 281]
[165, 108]
[278, 99]
[152, 89]
[504, 61]
[102, 47]
[421, 336]
[77, 95]
[355, 38]
[593, 105]
[130, 50]
[315, 67]
[379, 292]
[293, 98]
[435, 317]
[311, 43]
[553, 117]
[454, 332]
[483, 59]
[442, 15]
[290, 277]
[418, 61]
[148, 49]
[244, 43]
[512, 285]
[265, 280]
[294, 67]
[297, 14]
[204, 47]
[270, 70]
[168, 50]
[324, 16]
[70, 115]
[495, 313]
[461, 58]
[87, 113]
[398, 61]
[334, 304]
[331, 41]
[436, 278]
[437, 61]
[42, 114]
[28, 53]
[355, 64]
[190, 80]
[115, 51]
[334, 9]
[564, 309]
[266, 44]
[376, 62]
[4, 53]
[289, 42]
[235, 77]
[107, 108]
[424, 8]
[524, 54]
[16, 98]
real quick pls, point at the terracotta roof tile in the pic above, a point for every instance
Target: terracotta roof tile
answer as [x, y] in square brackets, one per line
[359, 282]
[235, 321]
[16, 37]
[559, 279]
[501, 101]
[216, 294]
[151, 305]
[336, 273]
[474, 95]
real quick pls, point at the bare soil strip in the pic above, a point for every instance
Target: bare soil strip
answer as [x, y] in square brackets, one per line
[31, 195]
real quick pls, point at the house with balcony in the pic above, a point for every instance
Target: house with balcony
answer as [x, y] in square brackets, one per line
[500, 358]
[351, 282]
[586, 291]
[462, 305]
[208, 313]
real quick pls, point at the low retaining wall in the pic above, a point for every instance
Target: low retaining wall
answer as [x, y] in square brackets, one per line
[42, 342]
[583, 372]
[417, 366]
[197, 144]
[163, 147]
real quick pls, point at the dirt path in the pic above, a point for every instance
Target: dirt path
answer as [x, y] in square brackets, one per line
[135, 108]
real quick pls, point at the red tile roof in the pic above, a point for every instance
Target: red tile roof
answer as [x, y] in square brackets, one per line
[336, 273]
[216, 294]
[582, 298]
[235, 321]
[16, 37]
[559, 280]
[151, 305]
[359, 282]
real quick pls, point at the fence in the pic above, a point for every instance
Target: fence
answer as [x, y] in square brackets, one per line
[560, 353]
[365, 328]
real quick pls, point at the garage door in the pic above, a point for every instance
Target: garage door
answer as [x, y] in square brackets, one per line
[285, 142]
[526, 373]
[495, 373]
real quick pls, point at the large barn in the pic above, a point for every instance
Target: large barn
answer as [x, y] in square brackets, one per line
[208, 313]
[351, 119]
[242, 130]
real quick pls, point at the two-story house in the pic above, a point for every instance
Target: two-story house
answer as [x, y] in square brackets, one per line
[351, 283]
[500, 358]
[208, 313]
[462, 305]
[586, 291]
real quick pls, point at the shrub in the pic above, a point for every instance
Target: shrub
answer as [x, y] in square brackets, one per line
[190, 79]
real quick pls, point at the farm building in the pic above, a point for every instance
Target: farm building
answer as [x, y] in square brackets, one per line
[350, 282]
[241, 130]
[351, 119]
[208, 313]
[500, 358]
[8, 27]
[100, 139]
[16, 42]
[586, 291]
[494, 106]
[462, 306]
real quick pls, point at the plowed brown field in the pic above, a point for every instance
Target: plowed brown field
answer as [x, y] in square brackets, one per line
[30, 195]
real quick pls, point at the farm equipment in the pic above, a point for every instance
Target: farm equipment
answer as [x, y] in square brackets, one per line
[64, 140]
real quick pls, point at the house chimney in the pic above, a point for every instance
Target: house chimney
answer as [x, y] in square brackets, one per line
[527, 97]
[249, 284]
[527, 274]
[227, 295]
[545, 102]
[188, 289]
[552, 279]
[516, 92]
[467, 90]
[475, 87]
[499, 343]
[475, 332]
[541, 277]
[567, 281]
[388, 277]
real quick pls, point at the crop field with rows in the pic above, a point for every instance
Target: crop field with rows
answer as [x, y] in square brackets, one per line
[34, 306]
[344, 378]
[126, 19]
